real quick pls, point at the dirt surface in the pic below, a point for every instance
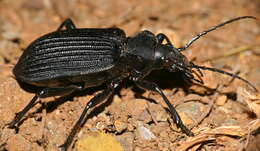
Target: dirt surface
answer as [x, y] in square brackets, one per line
[223, 114]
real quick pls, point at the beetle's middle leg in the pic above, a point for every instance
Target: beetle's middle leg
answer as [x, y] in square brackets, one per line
[43, 93]
[153, 87]
[93, 102]
[68, 24]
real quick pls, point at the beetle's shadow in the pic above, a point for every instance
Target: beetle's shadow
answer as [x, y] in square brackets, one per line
[165, 80]
[168, 80]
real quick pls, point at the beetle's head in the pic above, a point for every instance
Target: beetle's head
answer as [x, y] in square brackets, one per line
[171, 59]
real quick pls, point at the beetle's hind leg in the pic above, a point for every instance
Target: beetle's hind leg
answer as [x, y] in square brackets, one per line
[68, 24]
[43, 93]
[153, 87]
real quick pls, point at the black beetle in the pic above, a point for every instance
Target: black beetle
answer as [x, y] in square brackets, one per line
[72, 59]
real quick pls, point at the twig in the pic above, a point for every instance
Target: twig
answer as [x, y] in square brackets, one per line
[205, 114]
[232, 52]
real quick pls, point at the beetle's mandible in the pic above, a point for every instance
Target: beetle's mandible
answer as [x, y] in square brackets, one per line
[72, 59]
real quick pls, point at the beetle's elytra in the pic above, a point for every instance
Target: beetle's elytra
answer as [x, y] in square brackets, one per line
[71, 59]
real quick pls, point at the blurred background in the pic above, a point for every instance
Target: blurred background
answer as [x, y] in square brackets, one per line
[235, 48]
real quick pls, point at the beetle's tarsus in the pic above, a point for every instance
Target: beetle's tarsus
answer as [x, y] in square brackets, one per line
[20, 114]
[186, 130]
[153, 87]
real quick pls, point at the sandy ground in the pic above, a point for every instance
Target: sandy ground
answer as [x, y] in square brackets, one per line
[224, 113]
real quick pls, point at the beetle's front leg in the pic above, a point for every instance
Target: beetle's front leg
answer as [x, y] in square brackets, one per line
[161, 37]
[43, 93]
[68, 24]
[153, 87]
[93, 102]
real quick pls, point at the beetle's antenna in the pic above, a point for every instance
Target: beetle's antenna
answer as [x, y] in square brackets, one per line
[211, 29]
[226, 73]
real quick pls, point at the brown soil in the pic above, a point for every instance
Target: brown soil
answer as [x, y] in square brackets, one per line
[224, 113]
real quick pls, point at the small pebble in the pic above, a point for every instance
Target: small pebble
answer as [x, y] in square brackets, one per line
[145, 133]
[120, 126]
[221, 100]
[126, 140]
